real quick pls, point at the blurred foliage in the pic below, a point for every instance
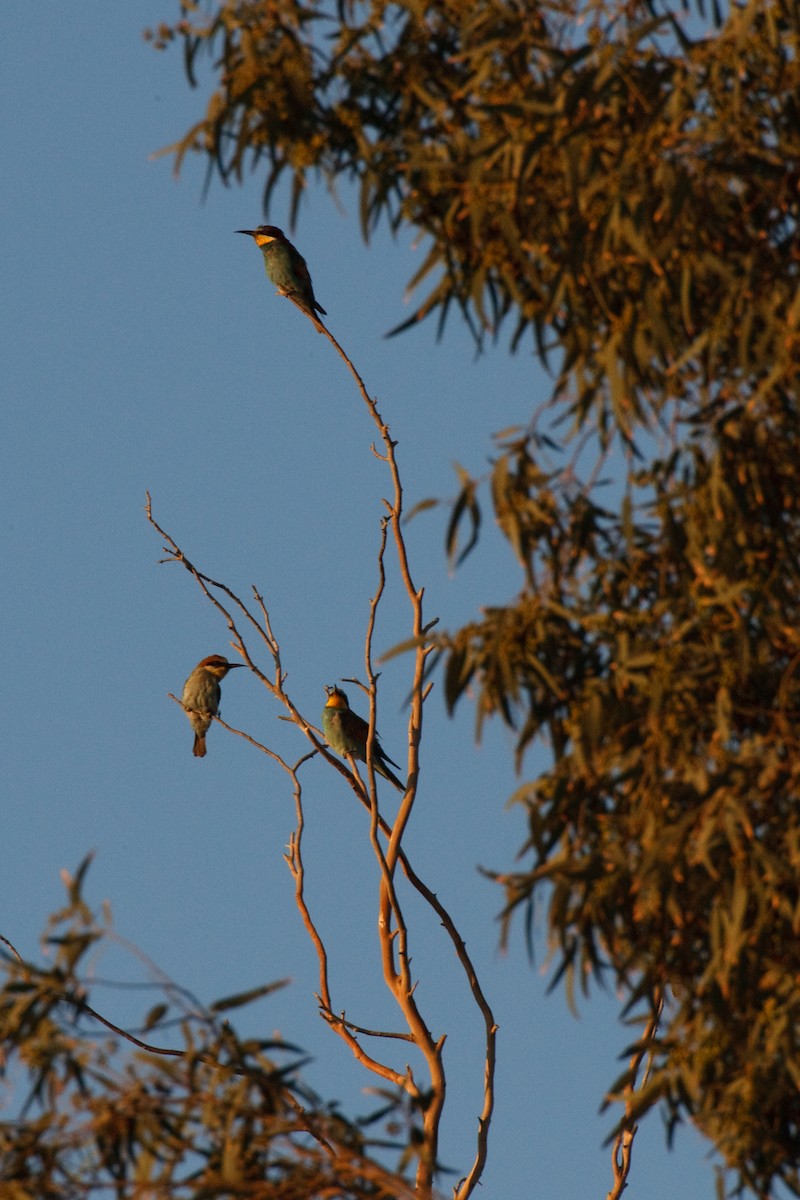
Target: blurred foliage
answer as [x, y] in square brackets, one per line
[618, 184]
[86, 1113]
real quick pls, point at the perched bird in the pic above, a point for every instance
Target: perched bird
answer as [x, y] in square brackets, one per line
[201, 695]
[346, 733]
[286, 267]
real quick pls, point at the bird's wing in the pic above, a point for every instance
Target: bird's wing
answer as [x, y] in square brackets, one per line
[301, 271]
[359, 728]
[354, 725]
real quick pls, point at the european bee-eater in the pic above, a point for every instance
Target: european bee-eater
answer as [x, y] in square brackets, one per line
[346, 733]
[286, 267]
[201, 696]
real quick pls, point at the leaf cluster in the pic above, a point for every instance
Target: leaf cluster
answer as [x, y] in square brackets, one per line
[655, 651]
[217, 1116]
[625, 194]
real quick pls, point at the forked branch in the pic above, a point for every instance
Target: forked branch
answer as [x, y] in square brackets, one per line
[386, 838]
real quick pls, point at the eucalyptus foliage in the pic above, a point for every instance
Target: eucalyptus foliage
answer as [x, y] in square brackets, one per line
[192, 1110]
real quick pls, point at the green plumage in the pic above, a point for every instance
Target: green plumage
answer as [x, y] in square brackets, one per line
[286, 267]
[346, 733]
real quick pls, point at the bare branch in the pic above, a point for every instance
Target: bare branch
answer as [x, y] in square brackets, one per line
[393, 931]
[623, 1145]
[294, 861]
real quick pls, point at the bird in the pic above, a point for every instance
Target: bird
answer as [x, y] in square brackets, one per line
[346, 733]
[286, 267]
[201, 696]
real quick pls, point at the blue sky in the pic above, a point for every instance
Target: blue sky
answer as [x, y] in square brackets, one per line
[144, 349]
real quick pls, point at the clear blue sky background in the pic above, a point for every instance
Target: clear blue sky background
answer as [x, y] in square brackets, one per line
[144, 349]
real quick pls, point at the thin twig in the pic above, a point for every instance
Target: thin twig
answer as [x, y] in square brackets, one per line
[294, 861]
[12, 948]
[623, 1144]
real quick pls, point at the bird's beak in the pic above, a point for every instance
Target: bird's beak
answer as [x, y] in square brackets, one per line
[249, 232]
[233, 666]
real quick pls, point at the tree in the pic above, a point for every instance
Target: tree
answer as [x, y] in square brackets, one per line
[622, 190]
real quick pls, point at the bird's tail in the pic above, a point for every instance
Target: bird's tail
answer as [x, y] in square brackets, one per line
[383, 770]
[199, 748]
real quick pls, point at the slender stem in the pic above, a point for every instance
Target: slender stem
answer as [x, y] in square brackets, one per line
[622, 1150]
[294, 861]
[398, 977]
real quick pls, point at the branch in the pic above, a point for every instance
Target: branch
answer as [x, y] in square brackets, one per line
[623, 1144]
[294, 861]
[392, 928]
[393, 931]
[399, 982]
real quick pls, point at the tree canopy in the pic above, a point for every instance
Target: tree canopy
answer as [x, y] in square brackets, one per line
[617, 185]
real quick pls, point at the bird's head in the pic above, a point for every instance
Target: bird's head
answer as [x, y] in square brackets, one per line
[265, 234]
[336, 698]
[215, 664]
